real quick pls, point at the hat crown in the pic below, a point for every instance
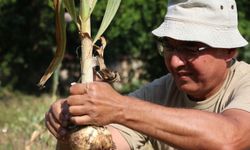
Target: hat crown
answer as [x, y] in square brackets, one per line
[210, 12]
[213, 22]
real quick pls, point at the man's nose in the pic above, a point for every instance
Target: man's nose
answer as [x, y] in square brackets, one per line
[176, 60]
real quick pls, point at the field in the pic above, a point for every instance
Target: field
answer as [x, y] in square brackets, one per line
[21, 119]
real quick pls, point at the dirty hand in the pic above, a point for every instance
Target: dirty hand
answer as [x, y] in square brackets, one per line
[55, 119]
[95, 103]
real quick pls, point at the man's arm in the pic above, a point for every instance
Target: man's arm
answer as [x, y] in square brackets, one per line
[188, 128]
[98, 104]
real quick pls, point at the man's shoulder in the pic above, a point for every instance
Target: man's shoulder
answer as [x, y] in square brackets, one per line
[239, 87]
[164, 81]
[242, 65]
[241, 69]
[156, 87]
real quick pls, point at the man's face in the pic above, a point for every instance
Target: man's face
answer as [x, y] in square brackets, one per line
[198, 69]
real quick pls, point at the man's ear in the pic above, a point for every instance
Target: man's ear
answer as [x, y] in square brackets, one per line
[231, 53]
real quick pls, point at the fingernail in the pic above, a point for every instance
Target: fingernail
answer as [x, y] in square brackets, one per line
[73, 83]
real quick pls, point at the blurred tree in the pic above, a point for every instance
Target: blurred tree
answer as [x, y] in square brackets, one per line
[244, 24]
[26, 33]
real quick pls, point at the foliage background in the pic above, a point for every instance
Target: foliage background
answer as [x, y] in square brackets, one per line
[27, 33]
[27, 46]
[27, 39]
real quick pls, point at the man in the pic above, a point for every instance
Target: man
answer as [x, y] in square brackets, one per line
[203, 103]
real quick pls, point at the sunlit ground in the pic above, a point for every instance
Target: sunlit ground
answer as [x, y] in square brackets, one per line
[21, 122]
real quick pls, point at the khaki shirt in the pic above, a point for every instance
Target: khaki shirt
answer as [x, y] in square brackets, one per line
[235, 93]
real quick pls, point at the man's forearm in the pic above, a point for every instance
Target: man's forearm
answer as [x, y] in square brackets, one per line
[187, 128]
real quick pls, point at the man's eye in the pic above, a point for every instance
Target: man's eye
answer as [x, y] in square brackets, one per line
[168, 48]
[191, 50]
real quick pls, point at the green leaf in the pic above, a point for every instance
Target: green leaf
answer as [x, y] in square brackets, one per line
[60, 40]
[92, 6]
[84, 10]
[110, 12]
[70, 6]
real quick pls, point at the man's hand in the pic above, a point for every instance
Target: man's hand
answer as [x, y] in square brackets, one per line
[56, 119]
[95, 103]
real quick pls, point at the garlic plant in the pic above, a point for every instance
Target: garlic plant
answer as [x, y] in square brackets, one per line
[80, 139]
[82, 20]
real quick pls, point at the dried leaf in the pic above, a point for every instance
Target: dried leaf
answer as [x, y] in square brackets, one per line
[60, 39]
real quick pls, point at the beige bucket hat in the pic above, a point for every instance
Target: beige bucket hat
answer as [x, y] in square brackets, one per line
[213, 22]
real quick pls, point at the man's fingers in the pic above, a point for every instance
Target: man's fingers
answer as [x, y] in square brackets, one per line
[81, 120]
[53, 127]
[57, 111]
[78, 110]
[79, 89]
[53, 123]
[76, 100]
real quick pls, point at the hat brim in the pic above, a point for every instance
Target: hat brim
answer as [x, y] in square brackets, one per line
[218, 37]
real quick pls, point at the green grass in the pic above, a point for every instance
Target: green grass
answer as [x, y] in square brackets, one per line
[20, 116]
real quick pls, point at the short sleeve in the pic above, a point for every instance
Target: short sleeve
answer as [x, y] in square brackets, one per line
[136, 140]
[155, 91]
[241, 93]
